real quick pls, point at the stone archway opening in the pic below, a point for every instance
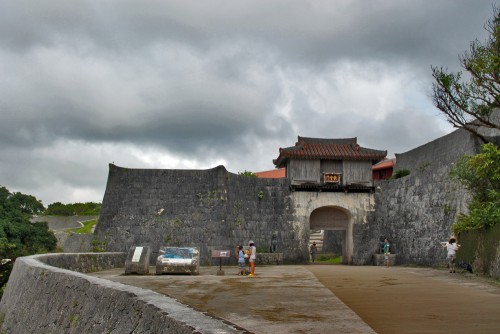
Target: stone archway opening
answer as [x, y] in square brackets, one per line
[332, 226]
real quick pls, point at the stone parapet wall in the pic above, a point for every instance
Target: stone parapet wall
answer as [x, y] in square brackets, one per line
[41, 298]
[84, 262]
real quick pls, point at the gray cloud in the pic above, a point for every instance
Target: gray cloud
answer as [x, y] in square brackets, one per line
[189, 85]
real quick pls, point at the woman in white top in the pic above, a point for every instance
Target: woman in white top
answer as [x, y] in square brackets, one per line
[452, 248]
[253, 255]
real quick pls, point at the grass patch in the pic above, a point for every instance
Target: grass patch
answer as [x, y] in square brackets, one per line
[86, 228]
[329, 258]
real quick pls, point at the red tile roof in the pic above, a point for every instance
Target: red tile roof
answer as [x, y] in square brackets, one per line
[272, 174]
[388, 163]
[328, 149]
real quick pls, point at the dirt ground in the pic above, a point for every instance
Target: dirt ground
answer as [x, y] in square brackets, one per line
[415, 300]
[313, 298]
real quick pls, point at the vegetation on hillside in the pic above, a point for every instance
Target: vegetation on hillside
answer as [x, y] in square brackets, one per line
[74, 209]
[480, 174]
[19, 237]
[469, 103]
[85, 229]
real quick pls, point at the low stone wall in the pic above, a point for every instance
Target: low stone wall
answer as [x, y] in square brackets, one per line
[84, 262]
[379, 259]
[43, 298]
[269, 258]
[74, 243]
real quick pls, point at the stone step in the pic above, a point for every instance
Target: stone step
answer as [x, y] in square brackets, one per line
[316, 236]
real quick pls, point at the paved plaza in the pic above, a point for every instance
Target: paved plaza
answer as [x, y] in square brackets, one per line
[334, 298]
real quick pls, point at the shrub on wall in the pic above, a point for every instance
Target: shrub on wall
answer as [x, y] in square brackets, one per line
[400, 173]
[480, 174]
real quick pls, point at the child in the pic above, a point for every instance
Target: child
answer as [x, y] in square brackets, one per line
[241, 261]
[387, 253]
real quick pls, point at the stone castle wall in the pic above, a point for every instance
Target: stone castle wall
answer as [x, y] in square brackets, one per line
[209, 209]
[416, 212]
[214, 209]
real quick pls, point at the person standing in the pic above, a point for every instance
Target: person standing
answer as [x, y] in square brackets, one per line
[253, 256]
[452, 248]
[387, 253]
[313, 251]
[241, 261]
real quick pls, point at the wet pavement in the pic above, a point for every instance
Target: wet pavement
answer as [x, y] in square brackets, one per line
[333, 298]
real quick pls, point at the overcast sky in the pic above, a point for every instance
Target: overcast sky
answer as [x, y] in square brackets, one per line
[196, 84]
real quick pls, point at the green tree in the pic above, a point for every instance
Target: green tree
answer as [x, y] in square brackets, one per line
[469, 103]
[480, 174]
[247, 173]
[75, 209]
[19, 237]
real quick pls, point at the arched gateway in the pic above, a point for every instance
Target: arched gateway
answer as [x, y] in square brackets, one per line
[332, 218]
[332, 185]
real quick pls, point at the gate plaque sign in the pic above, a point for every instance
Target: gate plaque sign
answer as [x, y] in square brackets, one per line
[332, 177]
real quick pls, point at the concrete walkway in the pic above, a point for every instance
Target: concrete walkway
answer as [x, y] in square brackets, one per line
[303, 299]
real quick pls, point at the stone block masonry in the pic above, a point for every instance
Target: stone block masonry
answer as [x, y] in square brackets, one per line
[209, 209]
[41, 298]
[214, 209]
[416, 212]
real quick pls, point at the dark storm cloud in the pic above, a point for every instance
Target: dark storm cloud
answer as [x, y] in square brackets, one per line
[309, 31]
[188, 84]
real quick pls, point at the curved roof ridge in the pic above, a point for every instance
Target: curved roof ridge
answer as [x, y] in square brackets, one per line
[312, 140]
[330, 149]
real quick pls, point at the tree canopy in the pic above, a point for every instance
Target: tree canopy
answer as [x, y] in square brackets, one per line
[19, 237]
[247, 173]
[75, 209]
[469, 103]
[480, 174]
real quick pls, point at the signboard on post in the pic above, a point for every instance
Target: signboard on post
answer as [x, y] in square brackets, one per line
[220, 254]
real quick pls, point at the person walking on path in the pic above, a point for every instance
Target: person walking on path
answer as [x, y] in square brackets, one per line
[313, 251]
[387, 253]
[452, 248]
[253, 256]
